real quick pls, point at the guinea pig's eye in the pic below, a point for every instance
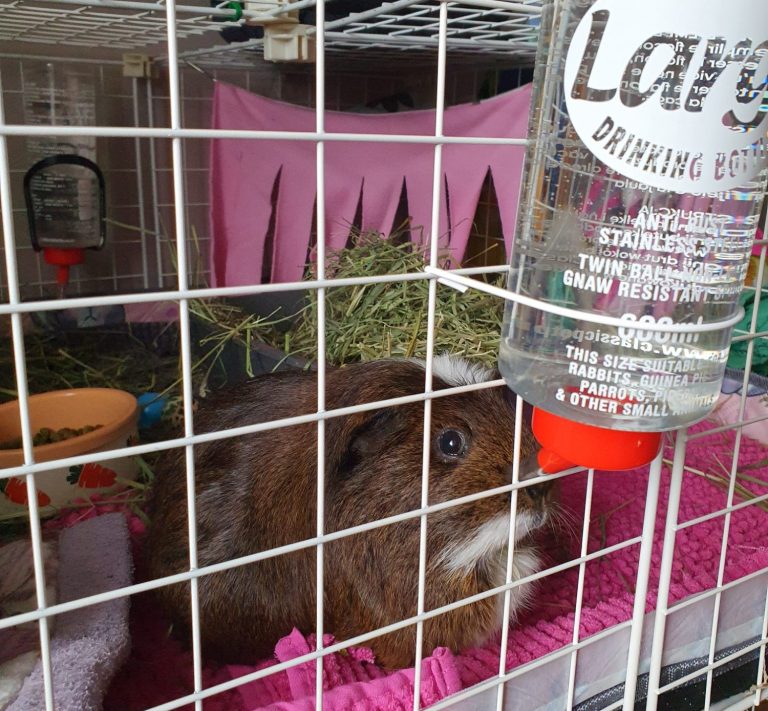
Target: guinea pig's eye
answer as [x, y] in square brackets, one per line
[452, 443]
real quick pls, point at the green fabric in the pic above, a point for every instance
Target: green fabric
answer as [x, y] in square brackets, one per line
[738, 355]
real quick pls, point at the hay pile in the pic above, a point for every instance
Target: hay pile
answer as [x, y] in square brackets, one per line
[88, 358]
[390, 319]
[362, 322]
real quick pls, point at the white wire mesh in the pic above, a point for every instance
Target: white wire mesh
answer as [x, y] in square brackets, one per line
[499, 29]
[473, 29]
[416, 25]
[128, 25]
[320, 359]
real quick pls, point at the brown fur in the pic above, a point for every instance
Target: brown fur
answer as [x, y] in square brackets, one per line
[259, 491]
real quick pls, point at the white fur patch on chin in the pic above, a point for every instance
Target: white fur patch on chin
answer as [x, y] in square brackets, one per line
[487, 548]
[456, 371]
[489, 539]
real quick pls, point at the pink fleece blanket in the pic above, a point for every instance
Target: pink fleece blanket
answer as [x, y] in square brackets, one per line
[353, 682]
[245, 173]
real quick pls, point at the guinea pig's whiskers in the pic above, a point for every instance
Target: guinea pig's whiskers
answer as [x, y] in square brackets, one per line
[562, 520]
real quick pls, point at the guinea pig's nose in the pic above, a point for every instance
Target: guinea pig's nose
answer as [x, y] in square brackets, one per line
[529, 469]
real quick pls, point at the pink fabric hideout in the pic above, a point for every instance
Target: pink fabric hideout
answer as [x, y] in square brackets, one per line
[244, 173]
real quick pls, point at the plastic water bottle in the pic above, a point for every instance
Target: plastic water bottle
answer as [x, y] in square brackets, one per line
[646, 172]
[64, 189]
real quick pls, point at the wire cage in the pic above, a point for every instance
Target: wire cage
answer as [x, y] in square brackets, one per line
[655, 592]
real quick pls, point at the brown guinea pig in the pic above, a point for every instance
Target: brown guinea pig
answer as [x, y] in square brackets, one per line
[258, 492]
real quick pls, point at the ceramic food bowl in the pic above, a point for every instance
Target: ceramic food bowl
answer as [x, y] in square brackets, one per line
[117, 414]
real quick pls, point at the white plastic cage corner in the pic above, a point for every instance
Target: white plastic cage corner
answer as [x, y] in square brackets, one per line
[289, 43]
[137, 65]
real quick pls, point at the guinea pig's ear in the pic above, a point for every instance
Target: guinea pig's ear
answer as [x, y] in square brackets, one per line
[354, 439]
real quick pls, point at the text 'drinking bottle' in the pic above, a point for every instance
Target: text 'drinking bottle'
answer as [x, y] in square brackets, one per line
[645, 176]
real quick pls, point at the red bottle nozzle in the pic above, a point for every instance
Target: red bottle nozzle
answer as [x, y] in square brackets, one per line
[565, 444]
[62, 259]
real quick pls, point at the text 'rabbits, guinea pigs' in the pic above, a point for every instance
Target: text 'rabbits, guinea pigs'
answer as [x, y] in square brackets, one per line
[259, 491]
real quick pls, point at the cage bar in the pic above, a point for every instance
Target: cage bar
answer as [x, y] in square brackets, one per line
[484, 31]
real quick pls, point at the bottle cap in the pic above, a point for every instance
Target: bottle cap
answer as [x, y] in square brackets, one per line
[566, 443]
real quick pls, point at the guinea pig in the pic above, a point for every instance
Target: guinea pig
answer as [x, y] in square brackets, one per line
[258, 492]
